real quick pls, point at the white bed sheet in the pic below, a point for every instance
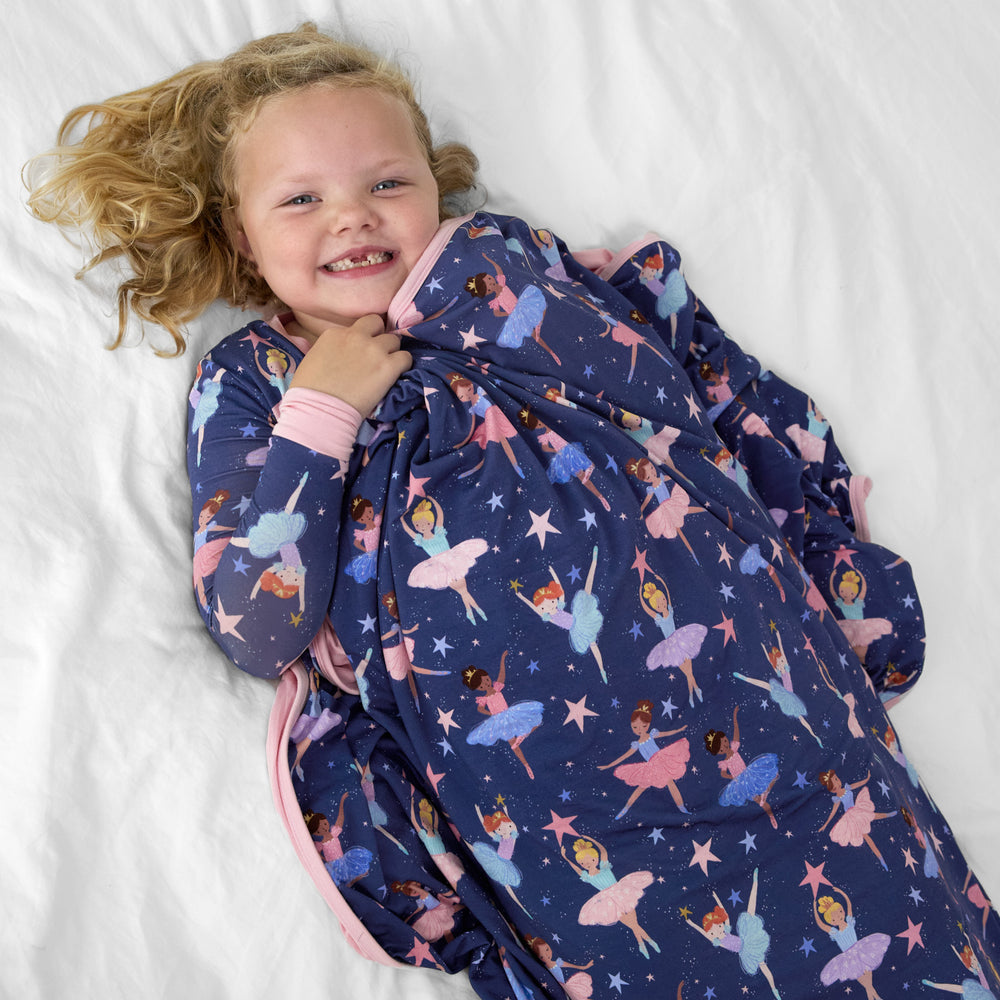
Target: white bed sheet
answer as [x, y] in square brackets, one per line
[829, 171]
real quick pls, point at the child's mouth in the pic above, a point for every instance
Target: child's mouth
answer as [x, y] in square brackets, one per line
[363, 260]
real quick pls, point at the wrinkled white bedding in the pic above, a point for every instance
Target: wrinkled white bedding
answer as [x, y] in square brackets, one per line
[833, 175]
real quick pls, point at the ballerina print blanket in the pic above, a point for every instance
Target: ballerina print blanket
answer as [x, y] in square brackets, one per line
[599, 648]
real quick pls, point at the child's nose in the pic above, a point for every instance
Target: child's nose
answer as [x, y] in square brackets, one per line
[354, 213]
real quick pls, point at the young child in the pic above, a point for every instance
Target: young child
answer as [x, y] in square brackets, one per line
[299, 176]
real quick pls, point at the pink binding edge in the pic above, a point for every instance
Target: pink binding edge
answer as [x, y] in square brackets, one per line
[858, 490]
[293, 687]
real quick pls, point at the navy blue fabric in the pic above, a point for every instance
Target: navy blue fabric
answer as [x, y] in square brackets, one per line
[622, 656]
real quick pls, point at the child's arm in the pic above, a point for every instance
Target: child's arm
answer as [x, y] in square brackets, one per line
[237, 447]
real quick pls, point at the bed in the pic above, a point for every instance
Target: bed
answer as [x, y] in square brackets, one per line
[829, 173]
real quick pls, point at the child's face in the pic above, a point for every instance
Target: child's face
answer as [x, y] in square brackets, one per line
[327, 178]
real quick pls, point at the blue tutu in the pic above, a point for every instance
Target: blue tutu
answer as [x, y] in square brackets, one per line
[274, 529]
[788, 701]
[521, 323]
[754, 941]
[587, 621]
[208, 403]
[354, 863]
[499, 869]
[752, 560]
[378, 814]
[567, 463]
[754, 781]
[362, 567]
[674, 296]
[517, 720]
[972, 989]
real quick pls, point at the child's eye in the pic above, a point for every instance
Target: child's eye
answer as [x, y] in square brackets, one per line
[386, 186]
[301, 199]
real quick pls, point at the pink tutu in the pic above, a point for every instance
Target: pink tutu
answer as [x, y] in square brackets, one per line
[658, 446]
[669, 516]
[810, 447]
[449, 866]
[579, 986]
[853, 726]
[667, 764]
[206, 559]
[864, 631]
[856, 823]
[434, 924]
[494, 427]
[445, 568]
[611, 904]
[753, 424]
[399, 658]
[623, 334]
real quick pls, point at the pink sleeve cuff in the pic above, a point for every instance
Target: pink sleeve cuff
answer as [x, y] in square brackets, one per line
[319, 422]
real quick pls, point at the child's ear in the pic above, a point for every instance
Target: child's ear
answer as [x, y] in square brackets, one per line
[243, 247]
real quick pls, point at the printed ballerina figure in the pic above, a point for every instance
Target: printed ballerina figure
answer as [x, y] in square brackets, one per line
[275, 534]
[853, 726]
[366, 538]
[427, 823]
[891, 742]
[657, 444]
[780, 688]
[494, 427]
[317, 719]
[435, 915]
[546, 244]
[512, 723]
[974, 893]
[811, 439]
[497, 861]
[399, 658]
[204, 400]
[858, 958]
[278, 368]
[717, 389]
[625, 335]
[930, 864]
[616, 899]
[853, 828]
[568, 461]
[671, 295]
[752, 561]
[728, 464]
[344, 867]
[378, 815]
[446, 565]
[207, 553]
[968, 989]
[579, 985]
[849, 597]
[583, 621]
[522, 314]
[673, 504]
[747, 782]
[679, 646]
[751, 940]
[661, 767]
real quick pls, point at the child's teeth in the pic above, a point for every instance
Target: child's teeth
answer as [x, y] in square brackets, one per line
[366, 261]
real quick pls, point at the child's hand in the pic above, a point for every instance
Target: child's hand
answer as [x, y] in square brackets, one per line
[356, 363]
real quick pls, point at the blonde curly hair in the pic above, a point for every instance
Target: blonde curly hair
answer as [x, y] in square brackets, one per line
[152, 179]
